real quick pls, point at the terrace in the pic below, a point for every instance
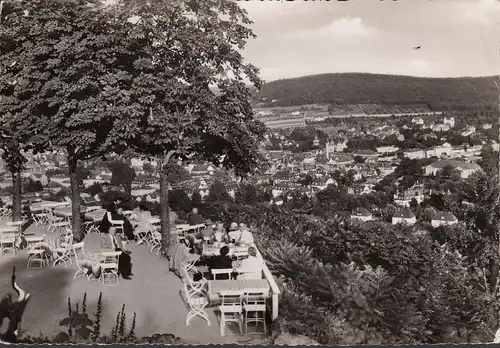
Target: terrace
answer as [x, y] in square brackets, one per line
[153, 293]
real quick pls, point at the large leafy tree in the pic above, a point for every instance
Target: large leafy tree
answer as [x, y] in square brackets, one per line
[69, 61]
[189, 46]
[122, 174]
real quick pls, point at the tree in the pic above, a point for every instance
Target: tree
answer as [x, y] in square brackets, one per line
[247, 194]
[95, 189]
[179, 200]
[196, 199]
[34, 186]
[15, 161]
[122, 174]
[218, 193]
[147, 167]
[188, 46]
[71, 90]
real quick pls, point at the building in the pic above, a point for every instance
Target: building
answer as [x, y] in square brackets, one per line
[361, 214]
[465, 169]
[442, 218]
[366, 154]
[414, 154]
[404, 216]
[440, 150]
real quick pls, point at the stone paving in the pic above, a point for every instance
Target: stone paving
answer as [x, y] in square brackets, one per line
[153, 293]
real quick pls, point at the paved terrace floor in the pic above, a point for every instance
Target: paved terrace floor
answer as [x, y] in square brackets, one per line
[153, 294]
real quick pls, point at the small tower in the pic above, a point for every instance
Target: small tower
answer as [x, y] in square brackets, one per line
[316, 141]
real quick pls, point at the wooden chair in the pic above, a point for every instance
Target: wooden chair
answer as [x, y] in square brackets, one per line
[231, 309]
[218, 272]
[254, 305]
[109, 267]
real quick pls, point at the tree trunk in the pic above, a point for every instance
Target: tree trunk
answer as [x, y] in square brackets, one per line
[164, 207]
[164, 211]
[75, 199]
[16, 196]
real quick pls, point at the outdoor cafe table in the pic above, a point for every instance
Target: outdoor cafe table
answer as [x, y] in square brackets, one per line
[66, 212]
[210, 250]
[96, 215]
[243, 285]
[41, 206]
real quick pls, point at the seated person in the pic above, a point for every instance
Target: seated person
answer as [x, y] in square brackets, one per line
[198, 239]
[142, 218]
[195, 218]
[222, 261]
[251, 268]
[128, 230]
[173, 217]
[124, 260]
[234, 232]
[242, 236]
[220, 234]
[208, 231]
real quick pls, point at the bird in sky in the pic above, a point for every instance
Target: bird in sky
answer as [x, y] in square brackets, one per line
[416, 47]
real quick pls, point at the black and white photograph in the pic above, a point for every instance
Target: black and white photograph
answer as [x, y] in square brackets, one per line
[249, 172]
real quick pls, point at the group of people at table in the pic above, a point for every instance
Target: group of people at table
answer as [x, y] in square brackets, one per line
[213, 234]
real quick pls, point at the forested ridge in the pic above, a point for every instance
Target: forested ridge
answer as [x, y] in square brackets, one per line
[362, 88]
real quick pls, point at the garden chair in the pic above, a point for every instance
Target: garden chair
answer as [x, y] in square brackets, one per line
[156, 242]
[8, 243]
[195, 296]
[63, 252]
[254, 306]
[81, 261]
[231, 309]
[54, 221]
[109, 267]
[39, 253]
[218, 272]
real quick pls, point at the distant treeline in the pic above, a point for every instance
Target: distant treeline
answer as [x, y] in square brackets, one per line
[464, 93]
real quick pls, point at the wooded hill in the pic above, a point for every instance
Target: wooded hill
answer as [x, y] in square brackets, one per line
[362, 88]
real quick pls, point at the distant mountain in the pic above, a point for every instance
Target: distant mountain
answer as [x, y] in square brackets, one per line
[361, 88]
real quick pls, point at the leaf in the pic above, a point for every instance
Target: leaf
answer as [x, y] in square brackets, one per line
[66, 322]
[83, 332]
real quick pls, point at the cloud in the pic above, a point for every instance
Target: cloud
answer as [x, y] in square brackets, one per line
[419, 64]
[350, 26]
[480, 11]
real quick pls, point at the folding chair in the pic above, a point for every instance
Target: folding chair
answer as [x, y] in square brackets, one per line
[109, 267]
[63, 252]
[81, 261]
[195, 297]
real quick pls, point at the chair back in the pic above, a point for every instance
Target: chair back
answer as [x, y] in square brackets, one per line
[231, 299]
[216, 272]
[78, 248]
[255, 297]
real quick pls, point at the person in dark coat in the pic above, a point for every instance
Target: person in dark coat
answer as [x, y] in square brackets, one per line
[115, 214]
[222, 261]
[195, 218]
[124, 260]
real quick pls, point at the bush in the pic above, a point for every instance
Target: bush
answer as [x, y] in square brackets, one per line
[83, 330]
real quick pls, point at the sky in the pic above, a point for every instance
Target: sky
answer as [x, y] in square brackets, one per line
[297, 38]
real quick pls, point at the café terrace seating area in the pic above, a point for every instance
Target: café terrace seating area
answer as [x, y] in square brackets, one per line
[188, 299]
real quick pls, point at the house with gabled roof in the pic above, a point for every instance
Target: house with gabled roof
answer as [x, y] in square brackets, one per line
[361, 214]
[404, 216]
[443, 218]
[465, 169]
